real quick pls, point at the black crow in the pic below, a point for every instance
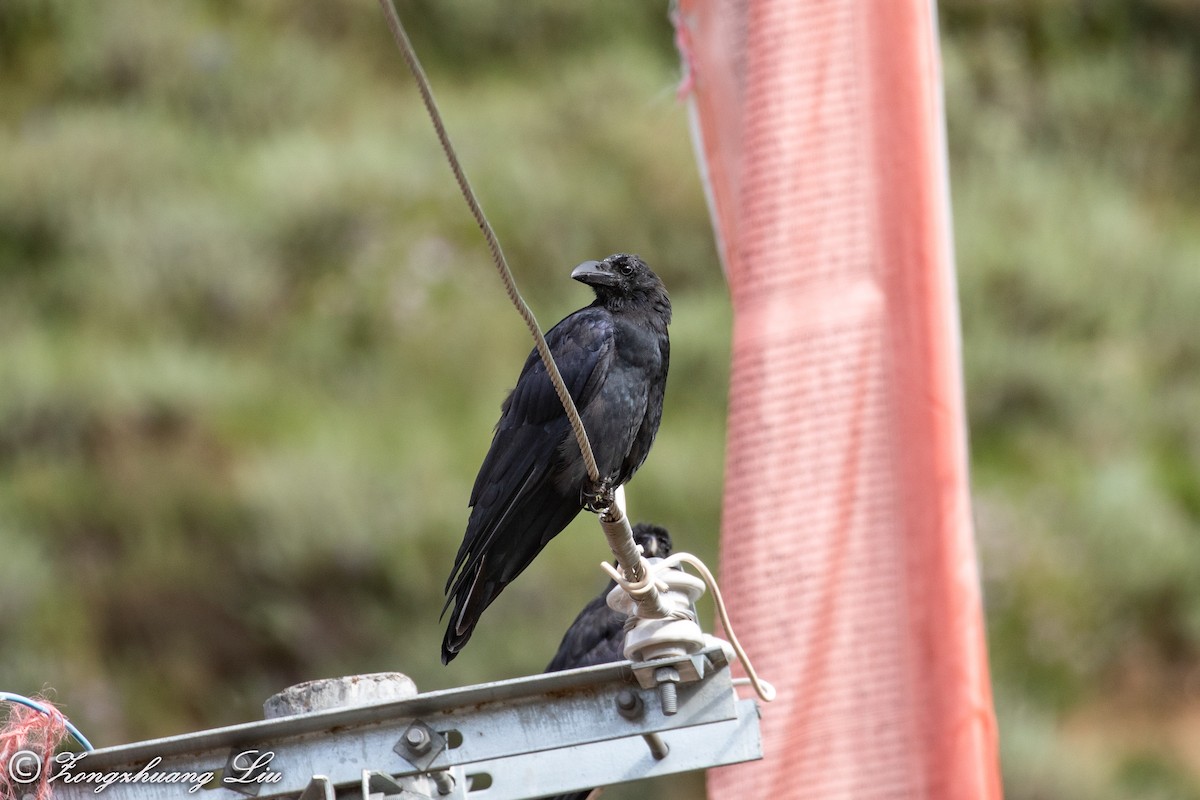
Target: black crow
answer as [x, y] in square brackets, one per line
[613, 356]
[597, 636]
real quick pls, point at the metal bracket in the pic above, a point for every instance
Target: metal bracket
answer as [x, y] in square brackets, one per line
[420, 745]
[319, 788]
[529, 737]
[691, 668]
[379, 785]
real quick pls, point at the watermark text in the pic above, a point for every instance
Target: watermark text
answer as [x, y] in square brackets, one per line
[246, 768]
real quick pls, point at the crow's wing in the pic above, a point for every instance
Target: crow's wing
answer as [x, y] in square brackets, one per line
[530, 435]
[582, 346]
[597, 636]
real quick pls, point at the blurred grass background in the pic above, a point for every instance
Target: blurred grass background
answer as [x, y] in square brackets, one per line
[253, 348]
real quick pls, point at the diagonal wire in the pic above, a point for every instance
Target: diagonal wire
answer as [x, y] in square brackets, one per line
[510, 285]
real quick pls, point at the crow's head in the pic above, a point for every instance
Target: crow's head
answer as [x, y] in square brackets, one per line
[654, 539]
[621, 281]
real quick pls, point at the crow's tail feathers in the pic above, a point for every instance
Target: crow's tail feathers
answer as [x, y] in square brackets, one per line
[504, 553]
[470, 599]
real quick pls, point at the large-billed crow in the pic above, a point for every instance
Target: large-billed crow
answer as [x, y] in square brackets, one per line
[613, 356]
[597, 636]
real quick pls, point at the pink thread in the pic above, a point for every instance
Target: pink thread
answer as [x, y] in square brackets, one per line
[27, 729]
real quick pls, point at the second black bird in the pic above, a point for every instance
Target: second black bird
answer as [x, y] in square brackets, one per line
[613, 356]
[597, 636]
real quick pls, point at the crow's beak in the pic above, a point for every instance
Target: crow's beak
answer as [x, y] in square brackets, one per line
[594, 273]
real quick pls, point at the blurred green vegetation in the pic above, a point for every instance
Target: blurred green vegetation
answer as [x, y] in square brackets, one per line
[1073, 129]
[253, 347]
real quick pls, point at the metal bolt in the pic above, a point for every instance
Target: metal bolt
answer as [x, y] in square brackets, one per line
[417, 740]
[658, 748]
[670, 700]
[629, 704]
[667, 677]
[444, 782]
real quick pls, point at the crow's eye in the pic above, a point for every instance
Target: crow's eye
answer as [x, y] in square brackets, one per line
[626, 269]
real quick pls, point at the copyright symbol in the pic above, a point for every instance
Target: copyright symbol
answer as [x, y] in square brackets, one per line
[25, 766]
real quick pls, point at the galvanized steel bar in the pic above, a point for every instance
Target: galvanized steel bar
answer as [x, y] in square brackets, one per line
[521, 733]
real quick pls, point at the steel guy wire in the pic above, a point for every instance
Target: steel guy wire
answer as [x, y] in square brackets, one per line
[510, 284]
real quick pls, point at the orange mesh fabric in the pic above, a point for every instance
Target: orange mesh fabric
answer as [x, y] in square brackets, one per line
[847, 552]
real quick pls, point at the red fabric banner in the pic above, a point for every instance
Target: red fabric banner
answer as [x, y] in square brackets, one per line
[847, 555]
